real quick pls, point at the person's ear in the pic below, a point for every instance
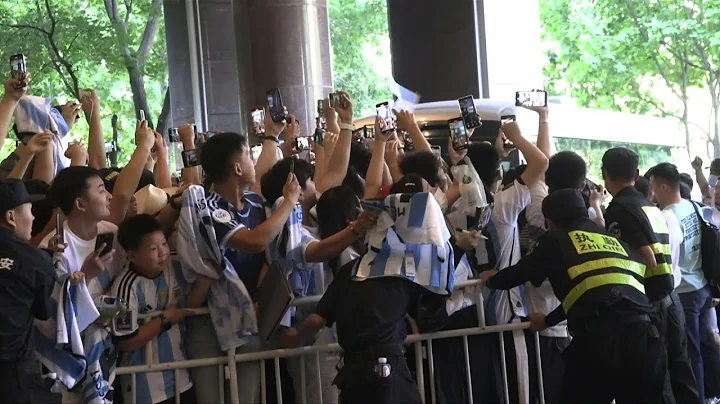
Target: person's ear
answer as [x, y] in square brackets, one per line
[131, 255]
[80, 205]
[237, 168]
[10, 217]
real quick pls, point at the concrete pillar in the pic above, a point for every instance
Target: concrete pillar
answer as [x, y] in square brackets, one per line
[290, 44]
[216, 75]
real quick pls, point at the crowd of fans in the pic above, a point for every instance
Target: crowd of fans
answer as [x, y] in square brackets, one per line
[621, 293]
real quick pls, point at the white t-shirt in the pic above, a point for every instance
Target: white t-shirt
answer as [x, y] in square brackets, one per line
[77, 251]
[676, 239]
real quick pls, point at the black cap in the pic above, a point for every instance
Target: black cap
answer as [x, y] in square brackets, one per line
[564, 206]
[109, 176]
[409, 184]
[13, 194]
[715, 167]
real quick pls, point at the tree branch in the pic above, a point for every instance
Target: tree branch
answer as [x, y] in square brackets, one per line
[53, 22]
[22, 26]
[128, 8]
[149, 35]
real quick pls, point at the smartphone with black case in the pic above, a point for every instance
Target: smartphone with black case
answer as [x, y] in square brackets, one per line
[107, 239]
[385, 113]
[458, 134]
[468, 112]
[534, 98]
[174, 135]
[190, 158]
[275, 105]
[337, 100]
[142, 115]
[60, 227]
[18, 67]
[320, 108]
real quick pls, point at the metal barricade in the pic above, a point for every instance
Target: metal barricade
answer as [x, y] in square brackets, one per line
[227, 370]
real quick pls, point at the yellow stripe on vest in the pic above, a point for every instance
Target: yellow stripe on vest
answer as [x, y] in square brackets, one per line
[597, 281]
[586, 242]
[656, 219]
[659, 270]
[658, 248]
[603, 263]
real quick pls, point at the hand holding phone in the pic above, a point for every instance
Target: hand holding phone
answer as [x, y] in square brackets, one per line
[142, 115]
[258, 121]
[458, 134]
[275, 105]
[60, 227]
[18, 69]
[385, 113]
[104, 240]
[302, 143]
[190, 158]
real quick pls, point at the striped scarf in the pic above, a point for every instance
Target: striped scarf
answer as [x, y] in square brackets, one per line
[34, 115]
[58, 344]
[230, 305]
[410, 240]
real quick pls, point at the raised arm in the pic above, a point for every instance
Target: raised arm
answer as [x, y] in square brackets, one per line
[269, 154]
[340, 159]
[406, 121]
[129, 178]
[537, 161]
[96, 139]
[14, 90]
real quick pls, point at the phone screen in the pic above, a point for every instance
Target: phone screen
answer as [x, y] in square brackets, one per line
[369, 131]
[256, 150]
[468, 112]
[302, 143]
[385, 113]
[506, 119]
[336, 100]
[60, 227]
[258, 120]
[173, 135]
[458, 134]
[142, 115]
[320, 108]
[107, 239]
[190, 158]
[275, 104]
[531, 99]
[17, 66]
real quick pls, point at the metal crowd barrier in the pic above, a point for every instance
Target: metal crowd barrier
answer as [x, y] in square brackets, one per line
[227, 370]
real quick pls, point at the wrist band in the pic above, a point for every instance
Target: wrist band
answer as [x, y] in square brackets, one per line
[347, 126]
[273, 138]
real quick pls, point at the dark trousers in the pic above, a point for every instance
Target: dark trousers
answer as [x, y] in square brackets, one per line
[625, 362]
[704, 361]
[553, 366]
[20, 382]
[670, 322]
[358, 383]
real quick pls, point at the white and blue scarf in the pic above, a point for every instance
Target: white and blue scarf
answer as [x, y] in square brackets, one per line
[230, 305]
[34, 114]
[288, 250]
[59, 344]
[410, 240]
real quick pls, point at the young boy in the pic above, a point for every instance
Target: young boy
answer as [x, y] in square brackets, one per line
[149, 284]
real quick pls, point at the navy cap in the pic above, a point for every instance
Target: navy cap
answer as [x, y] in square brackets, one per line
[409, 184]
[564, 205]
[13, 194]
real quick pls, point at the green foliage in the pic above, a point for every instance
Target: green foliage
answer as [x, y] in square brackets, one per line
[88, 42]
[593, 150]
[357, 28]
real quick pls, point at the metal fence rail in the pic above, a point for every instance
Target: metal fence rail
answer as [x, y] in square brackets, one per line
[227, 364]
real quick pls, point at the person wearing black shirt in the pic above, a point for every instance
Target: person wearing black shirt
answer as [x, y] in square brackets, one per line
[616, 352]
[27, 278]
[632, 218]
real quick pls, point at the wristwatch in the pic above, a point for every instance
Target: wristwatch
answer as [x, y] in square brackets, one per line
[273, 138]
[166, 325]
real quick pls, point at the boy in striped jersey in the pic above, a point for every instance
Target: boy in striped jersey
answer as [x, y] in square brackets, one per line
[150, 283]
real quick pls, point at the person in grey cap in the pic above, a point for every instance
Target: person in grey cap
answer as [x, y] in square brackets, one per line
[27, 278]
[616, 352]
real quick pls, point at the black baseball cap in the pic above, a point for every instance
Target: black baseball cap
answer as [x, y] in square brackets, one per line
[13, 194]
[564, 206]
[109, 176]
[409, 184]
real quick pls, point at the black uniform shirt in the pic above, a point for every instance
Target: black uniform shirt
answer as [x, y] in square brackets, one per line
[27, 278]
[545, 262]
[372, 312]
[623, 225]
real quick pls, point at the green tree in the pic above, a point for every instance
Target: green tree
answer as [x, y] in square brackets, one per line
[613, 54]
[69, 47]
[356, 28]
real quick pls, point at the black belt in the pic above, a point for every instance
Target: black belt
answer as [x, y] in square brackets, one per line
[374, 352]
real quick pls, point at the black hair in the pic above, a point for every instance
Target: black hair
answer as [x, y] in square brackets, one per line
[686, 179]
[423, 163]
[42, 209]
[666, 173]
[360, 158]
[685, 191]
[354, 181]
[566, 170]
[218, 153]
[642, 184]
[512, 174]
[273, 181]
[486, 161]
[70, 184]
[620, 164]
[335, 209]
[133, 230]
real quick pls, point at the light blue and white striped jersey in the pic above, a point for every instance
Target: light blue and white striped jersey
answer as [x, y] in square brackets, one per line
[144, 295]
[410, 240]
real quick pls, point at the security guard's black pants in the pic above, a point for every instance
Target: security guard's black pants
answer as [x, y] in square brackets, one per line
[669, 319]
[623, 361]
[20, 382]
[359, 383]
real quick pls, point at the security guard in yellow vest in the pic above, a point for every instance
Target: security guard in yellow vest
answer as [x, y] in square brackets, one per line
[616, 352]
[632, 218]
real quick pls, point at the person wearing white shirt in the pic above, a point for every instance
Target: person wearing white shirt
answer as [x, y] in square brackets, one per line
[693, 290]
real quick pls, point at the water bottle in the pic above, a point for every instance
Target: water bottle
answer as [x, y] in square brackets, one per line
[57, 386]
[382, 369]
